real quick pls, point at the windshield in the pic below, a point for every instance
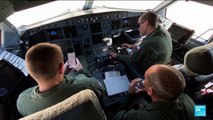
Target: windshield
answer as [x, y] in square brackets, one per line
[140, 5]
[43, 12]
[193, 15]
[49, 10]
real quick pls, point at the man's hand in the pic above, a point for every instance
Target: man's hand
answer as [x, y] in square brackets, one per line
[66, 68]
[136, 86]
[128, 45]
[77, 67]
[113, 54]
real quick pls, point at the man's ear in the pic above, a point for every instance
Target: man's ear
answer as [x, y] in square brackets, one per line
[150, 91]
[146, 23]
[61, 68]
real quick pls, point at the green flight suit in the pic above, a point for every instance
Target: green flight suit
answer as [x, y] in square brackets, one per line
[155, 48]
[181, 109]
[31, 100]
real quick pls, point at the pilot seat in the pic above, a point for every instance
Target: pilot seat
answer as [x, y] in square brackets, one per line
[198, 72]
[83, 105]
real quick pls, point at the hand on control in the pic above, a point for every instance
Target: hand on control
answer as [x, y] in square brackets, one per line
[126, 45]
[113, 54]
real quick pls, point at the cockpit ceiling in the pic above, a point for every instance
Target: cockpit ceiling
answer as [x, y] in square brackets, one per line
[25, 4]
[8, 7]
[207, 2]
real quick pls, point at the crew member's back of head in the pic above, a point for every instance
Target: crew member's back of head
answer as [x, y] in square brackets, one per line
[165, 85]
[43, 59]
[45, 64]
[167, 82]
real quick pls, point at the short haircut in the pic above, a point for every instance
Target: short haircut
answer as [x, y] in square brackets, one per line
[167, 82]
[151, 17]
[43, 60]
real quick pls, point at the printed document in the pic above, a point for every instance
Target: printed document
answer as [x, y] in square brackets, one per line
[115, 85]
[109, 74]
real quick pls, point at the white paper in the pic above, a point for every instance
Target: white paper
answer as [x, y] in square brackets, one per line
[6, 55]
[14, 60]
[111, 74]
[115, 85]
[11, 58]
[24, 70]
[17, 62]
[22, 65]
[3, 54]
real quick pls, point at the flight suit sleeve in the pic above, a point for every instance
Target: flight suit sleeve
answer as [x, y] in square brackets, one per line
[90, 83]
[124, 58]
[97, 87]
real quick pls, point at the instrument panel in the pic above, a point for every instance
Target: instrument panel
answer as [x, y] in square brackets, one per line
[88, 29]
[83, 34]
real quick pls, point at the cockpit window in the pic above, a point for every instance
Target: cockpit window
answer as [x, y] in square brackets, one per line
[53, 9]
[136, 4]
[193, 15]
[44, 12]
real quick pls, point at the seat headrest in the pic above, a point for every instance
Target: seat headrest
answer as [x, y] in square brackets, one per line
[199, 60]
[80, 106]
